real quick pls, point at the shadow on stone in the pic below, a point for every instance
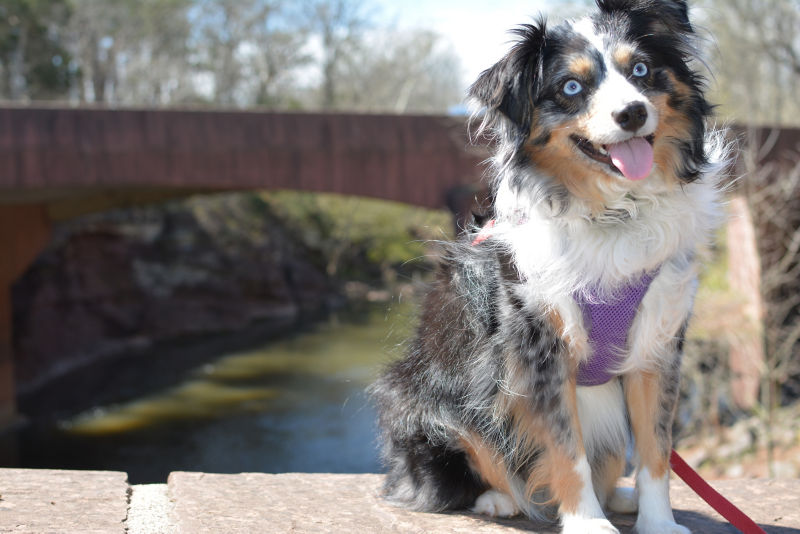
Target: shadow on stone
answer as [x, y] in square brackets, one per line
[697, 522]
[694, 521]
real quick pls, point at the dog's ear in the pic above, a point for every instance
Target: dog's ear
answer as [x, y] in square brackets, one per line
[661, 16]
[507, 90]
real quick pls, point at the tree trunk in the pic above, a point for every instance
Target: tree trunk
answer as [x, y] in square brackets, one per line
[746, 357]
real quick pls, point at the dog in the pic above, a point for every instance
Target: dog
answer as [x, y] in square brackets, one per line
[551, 338]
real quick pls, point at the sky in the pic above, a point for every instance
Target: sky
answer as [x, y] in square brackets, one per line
[477, 29]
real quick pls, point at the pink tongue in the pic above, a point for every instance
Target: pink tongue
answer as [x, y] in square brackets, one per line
[634, 158]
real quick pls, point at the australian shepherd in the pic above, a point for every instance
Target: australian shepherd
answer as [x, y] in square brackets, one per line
[552, 336]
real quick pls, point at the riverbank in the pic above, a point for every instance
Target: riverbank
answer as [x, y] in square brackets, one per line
[123, 282]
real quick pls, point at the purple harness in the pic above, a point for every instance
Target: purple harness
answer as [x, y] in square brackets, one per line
[609, 320]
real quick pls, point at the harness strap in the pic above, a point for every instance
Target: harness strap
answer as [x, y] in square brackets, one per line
[608, 320]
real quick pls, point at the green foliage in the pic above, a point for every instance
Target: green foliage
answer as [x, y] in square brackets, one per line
[360, 237]
[714, 276]
[754, 58]
[34, 64]
[718, 308]
[237, 53]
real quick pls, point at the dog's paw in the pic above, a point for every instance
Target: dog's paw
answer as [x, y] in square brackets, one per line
[495, 504]
[624, 501]
[663, 526]
[584, 525]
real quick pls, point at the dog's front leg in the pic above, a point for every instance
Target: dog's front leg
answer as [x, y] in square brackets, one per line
[651, 398]
[571, 475]
[580, 510]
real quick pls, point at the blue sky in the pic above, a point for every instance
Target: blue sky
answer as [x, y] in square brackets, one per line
[477, 29]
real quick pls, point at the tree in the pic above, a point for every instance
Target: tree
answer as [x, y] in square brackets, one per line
[33, 62]
[156, 64]
[400, 71]
[340, 26]
[755, 53]
[131, 52]
[249, 49]
[772, 190]
[96, 36]
[238, 53]
[368, 67]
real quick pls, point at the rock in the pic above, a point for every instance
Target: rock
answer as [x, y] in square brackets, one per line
[116, 281]
[37, 501]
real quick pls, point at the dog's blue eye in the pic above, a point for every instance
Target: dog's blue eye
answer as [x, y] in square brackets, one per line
[640, 70]
[572, 88]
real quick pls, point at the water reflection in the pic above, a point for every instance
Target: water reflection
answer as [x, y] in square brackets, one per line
[296, 404]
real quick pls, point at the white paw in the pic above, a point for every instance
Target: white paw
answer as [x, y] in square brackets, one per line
[624, 501]
[495, 504]
[664, 526]
[584, 525]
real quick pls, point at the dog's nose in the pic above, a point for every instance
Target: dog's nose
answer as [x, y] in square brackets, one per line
[631, 117]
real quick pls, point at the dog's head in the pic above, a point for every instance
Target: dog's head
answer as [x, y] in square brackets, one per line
[603, 102]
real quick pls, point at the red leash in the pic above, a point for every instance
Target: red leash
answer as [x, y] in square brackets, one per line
[723, 506]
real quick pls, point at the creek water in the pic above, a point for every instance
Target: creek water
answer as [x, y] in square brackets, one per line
[295, 403]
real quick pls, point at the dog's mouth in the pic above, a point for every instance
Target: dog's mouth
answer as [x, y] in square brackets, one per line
[632, 158]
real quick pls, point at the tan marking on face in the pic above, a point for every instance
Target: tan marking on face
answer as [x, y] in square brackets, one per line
[562, 160]
[678, 87]
[581, 66]
[641, 395]
[672, 126]
[623, 55]
[487, 463]
[536, 130]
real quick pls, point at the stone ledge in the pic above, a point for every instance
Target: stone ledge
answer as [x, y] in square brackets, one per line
[350, 503]
[34, 502]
